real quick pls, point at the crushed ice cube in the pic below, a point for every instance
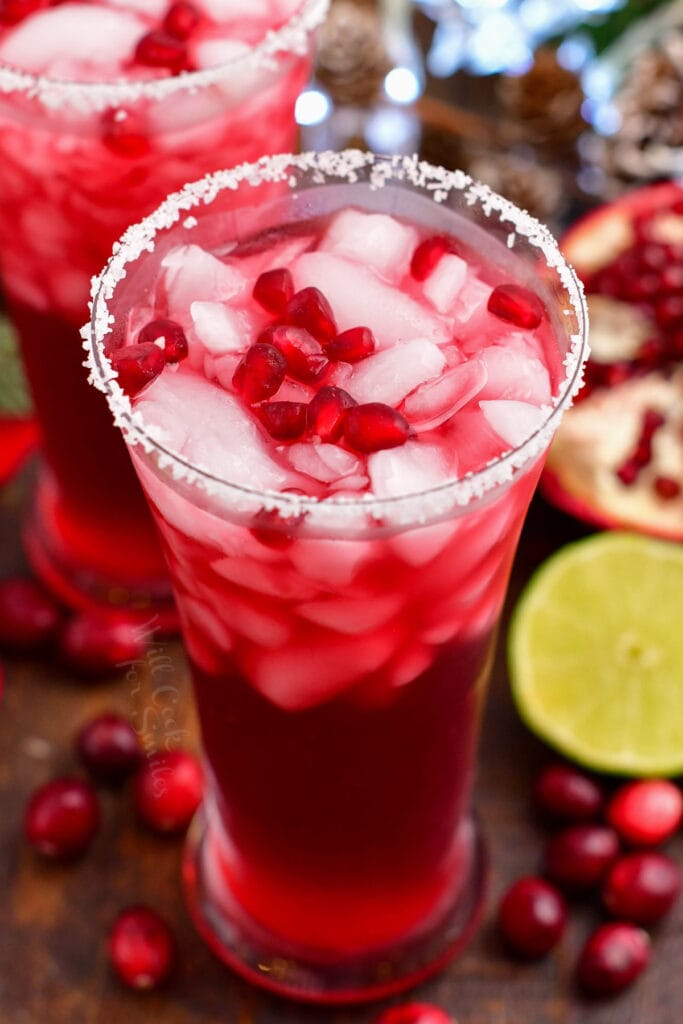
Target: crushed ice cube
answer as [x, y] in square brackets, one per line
[514, 374]
[390, 375]
[435, 401]
[472, 299]
[444, 284]
[323, 462]
[410, 469]
[220, 328]
[513, 421]
[194, 275]
[352, 615]
[372, 239]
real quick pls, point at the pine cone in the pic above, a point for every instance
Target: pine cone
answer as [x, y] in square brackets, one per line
[546, 102]
[524, 182]
[351, 60]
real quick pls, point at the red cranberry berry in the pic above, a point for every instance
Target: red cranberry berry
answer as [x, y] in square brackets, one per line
[141, 947]
[516, 305]
[532, 917]
[125, 134]
[167, 790]
[646, 812]
[109, 747]
[29, 618]
[170, 333]
[612, 958]
[158, 49]
[137, 366]
[427, 256]
[259, 373]
[642, 887]
[567, 794]
[310, 309]
[327, 411]
[414, 1013]
[96, 644]
[374, 426]
[62, 818]
[351, 346]
[580, 856]
[182, 18]
[285, 421]
[305, 358]
[274, 289]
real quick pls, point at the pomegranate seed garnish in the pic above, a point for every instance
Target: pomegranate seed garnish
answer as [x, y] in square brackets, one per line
[327, 411]
[97, 644]
[285, 421]
[14, 11]
[666, 488]
[62, 818]
[124, 134]
[612, 958]
[167, 790]
[516, 305]
[170, 333]
[137, 366]
[646, 812]
[351, 346]
[259, 373]
[182, 18]
[642, 887]
[159, 49]
[109, 747]
[580, 856]
[310, 309]
[374, 426]
[273, 529]
[414, 1013]
[306, 360]
[567, 794]
[428, 254]
[532, 917]
[141, 947]
[274, 290]
[641, 455]
[29, 618]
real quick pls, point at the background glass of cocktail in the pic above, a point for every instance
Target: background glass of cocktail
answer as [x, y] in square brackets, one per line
[78, 163]
[336, 857]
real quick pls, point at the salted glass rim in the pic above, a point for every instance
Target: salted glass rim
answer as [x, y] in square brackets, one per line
[57, 93]
[347, 166]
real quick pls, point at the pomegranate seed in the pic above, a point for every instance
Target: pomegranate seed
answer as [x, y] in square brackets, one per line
[516, 306]
[580, 856]
[351, 346]
[29, 618]
[285, 421]
[327, 411]
[182, 18]
[672, 277]
[273, 529]
[310, 309]
[669, 311]
[259, 373]
[612, 958]
[137, 366]
[141, 947]
[642, 887]
[14, 11]
[428, 254]
[159, 49]
[170, 333]
[96, 644]
[274, 290]
[62, 818]
[532, 917]
[109, 747]
[646, 812]
[567, 794]
[414, 1013]
[305, 358]
[666, 487]
[124, 134]
[167, 790]
[629, 471]
[374, 426]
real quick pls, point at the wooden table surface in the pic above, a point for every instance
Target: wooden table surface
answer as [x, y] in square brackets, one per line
[53, 919]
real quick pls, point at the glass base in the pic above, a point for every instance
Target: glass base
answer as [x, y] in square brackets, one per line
[253, 953]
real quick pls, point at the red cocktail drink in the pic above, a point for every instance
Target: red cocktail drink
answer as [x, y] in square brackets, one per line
[339, 468]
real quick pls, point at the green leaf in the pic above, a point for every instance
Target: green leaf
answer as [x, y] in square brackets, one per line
[14, 394]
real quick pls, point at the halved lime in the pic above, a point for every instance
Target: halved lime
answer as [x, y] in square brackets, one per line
[595, 653]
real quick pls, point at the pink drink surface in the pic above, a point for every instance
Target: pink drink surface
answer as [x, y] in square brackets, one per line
[72, 178]
[340, 679]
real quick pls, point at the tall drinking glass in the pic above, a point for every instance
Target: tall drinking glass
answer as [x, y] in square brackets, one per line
[79, 161]
[340, 598]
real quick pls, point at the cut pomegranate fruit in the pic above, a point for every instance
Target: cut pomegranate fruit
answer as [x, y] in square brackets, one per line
[182, 18]
[646, 812]
[274, 290]
[310, 309]
[612, 958]
[259, 373]
[580, 856]
[428, 254]
[125, 134]
[305, 358]
[137, 366]
[285, 421]
[168, 332]
[109, 747]
[414, 1013]
[516, 305]
[567, 794]
[141, 947]
[327, 411]
[351, 346]
[374, 426]
[642, 887]
[158, 49]
[532, 917]
[95, 644]
[62, 818]
[167, 790]
[29, 618]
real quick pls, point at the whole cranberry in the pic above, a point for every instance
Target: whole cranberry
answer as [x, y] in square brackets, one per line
[141, 947]
[532, 916]
[62, 818]
[96, 644]
[109, 747]
[612, 958]
[567, 794]
[580, 856]
[167, 790]
[414, 1013]
[29, 618]
[642, 887]
[646, 812]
